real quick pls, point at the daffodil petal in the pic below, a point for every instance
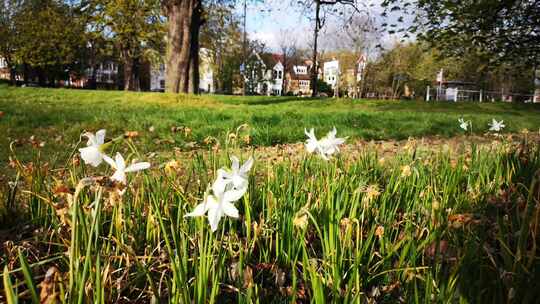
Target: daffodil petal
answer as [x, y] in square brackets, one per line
[100, 137]
[234, 194]
[247, 166]
[235, 163]
[119, 176]
[137, 167]
[91, 139]
[109, 161]
[91, 156]
[219, 185]
[230, 210]
[120, 162]
[214, 216]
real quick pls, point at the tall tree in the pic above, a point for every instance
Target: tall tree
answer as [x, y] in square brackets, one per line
[289, 50]
[8, 44]
[504, 30]
[134, 27]
[222, 36]
[52, 50]
[322, 9]
[359, 36]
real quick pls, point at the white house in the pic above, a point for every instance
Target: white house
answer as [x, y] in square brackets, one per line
[157, 78]
[206, 74]
[331, 73]
[276, 80]
[264, 74]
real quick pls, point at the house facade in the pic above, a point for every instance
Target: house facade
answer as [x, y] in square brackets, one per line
[4, 69]
[299, 80]
[331, 73]
[206, 74]
[264, 74]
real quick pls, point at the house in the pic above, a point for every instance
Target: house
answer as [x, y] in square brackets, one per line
[299, 79]
[206, 74]
[157, 78]
[4, 69]
[105, 76]
[264, 74]
[331, 73]
[353, 77]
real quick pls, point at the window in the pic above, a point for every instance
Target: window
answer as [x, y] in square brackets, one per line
[300, 70]
[162, 84]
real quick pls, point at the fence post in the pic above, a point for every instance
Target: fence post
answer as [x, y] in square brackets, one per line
[427, 94]
[456, 96]
[481, 95]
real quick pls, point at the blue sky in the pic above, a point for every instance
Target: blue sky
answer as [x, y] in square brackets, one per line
[267, 21]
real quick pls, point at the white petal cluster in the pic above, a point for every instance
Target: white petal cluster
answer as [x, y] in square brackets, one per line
[464, 124]
[229, 187]
[496, 126]
[119, 165]
[94, 155]
[326, 146]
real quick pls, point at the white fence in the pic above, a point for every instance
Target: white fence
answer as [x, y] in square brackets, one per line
[456, 94]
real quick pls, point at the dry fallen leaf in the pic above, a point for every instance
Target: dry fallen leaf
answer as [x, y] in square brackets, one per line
[379, 231]
[131, 134]
[49, 293]
[248, 277]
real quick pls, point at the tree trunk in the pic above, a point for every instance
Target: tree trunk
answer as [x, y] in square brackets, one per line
[92, 84]
[315, 69]
[196, 22]
[131, 73]
[25, 74]
[12, 72]
[182, 63]
[128, 74]
[13, 76]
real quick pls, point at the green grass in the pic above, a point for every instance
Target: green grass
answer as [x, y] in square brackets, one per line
[433, 225]
[457, 228]
[58, 117]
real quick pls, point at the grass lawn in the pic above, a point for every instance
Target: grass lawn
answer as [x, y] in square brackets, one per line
[369, 225]
[59, 116]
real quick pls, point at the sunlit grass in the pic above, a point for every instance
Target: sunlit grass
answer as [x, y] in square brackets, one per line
[57, 117]
[429, 227]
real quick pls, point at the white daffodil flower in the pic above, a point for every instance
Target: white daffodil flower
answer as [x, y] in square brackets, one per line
[312, 144]
[327, 146]
[238, 176]
[496, 126]
[463, 124]
[218, 204]
[330, 144]
[119, 165]
[93, 153]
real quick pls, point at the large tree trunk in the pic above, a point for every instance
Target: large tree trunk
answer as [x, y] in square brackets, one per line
[92, 84]
[25, 73]
[315, 69]
[128, 74]
[12, 72]
[194, 76]
[183, 45]
[12, 76]
[131, 73]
